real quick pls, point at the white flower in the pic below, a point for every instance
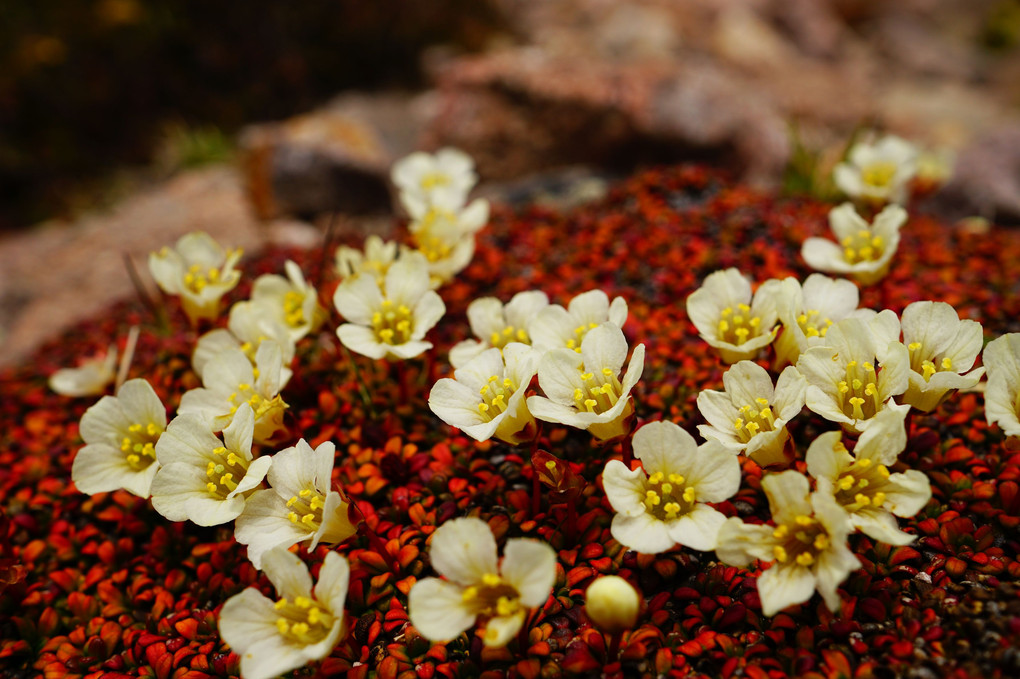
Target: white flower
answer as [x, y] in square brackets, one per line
[120, 433]
[248, 326]
[444, 231]
[476, 586]
[750, 416]
[942, 347]
[376, 260]
[293, 302]
[555, 327]
[199, 270]
[202, 479]
[420, 176]
[496, 325]
[858, 370]
[231, 380]
[864, 250]
[303, 625]
[389, 321]
[862, 483]
[656, 512]
[583, 389]
[807, 543]
[89, 379]
[1002, 396]
[727, 317]
[299, 507]
[807, 311]
[486, 396]
[879, 171]
[612, 604]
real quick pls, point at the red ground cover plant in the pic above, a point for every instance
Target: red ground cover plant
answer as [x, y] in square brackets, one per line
[103, 586]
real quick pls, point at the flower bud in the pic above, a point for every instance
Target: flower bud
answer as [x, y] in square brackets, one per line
[612, 604]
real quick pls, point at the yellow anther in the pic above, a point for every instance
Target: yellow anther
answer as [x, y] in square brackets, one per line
[689, 494]
[281, 603]
[804, 520]
[652, 498]
[883, 470]
[676, 478]
[781, 531]
[878, 499]
[590, 404]
[282, 626]
[307, 519]
[211, 487]
[780, 553]
[292, 500]
[845, 483]
[672, 509]
[862, 499]
[313, 615]
[302, 602]
[469, 594]
[947, 363]
[667, 488]
[805, 559]
[656, 478]
[864, 462]
[821, 541]
[293, 517]
[914, 346]
[305, 492]
[491, 579]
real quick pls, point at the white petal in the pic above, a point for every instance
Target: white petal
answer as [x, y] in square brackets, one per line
[357, 299]
[665, 447]
[287, 572]
[739, 543]
[604, 347]
[788, 495]
[501, 629]
[427, 312]
[714, 472]
[334, 578]
[530, 566]
[699, 528]
[643, 533]
[831, 569]
[361, 340]
[436, 609]
[485, 316]
[907, 493]
[464, 550]
[746, 381]
[559, 375]
[824, 459]
[880, 525]
[624, 488]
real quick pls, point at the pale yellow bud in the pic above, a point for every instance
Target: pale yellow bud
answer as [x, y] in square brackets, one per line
[612, 604]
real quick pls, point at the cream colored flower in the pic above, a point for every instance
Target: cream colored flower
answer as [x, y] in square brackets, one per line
[249, 325]
[91, 378]
[942, 348]
[856, 373]
[879, 171]
[299, 507]
[199, 270]
[486, 396]
[1002, 396]
[807, 311]
[749, 415]
[230, 380]
[376, 260]
[729, 319]
[496, 325]
[807, 544]
[443, 230]
[554, 327]
[662, 504]
[120, 433]
[420, 176]
[304, 624]
[201, 478]
[293, 303]
[861, 482]
[612, 604]
[389, 321]
[864, 251]
[477, 587]
[583, 389]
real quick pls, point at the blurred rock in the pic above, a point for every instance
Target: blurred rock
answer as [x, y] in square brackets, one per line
[986, 179]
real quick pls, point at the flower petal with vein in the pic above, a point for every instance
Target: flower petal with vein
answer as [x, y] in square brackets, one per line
[806, 312]
[554, 327]
[496, 324]
[733, 322]
[863, 251]
[878, 171]
[199, 270]
[88, 379]
[293, 303]
[248, 326]
[1002, 396]
[376, 259]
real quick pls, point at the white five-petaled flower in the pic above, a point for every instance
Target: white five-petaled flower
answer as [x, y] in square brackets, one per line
[444, 231]
[807, 544]
[389, 320]
[120, 434]
[862, 483]
[199, 270]
[248, 326]
[496, 324]
[375, 261]
[662, 504]
[201, 478]
[230, 380]
[942, 347]
[420, 176]
[476, 586]
[1002, 395]
[806, 312]
[879, 171]
[554, 327]
[855, 374]
[584, 390]
[303, 625]
[864, 251]
[486, 396]
[90, 378]
[749, 415]
[729, 319]
[299, 507]
[291, 300]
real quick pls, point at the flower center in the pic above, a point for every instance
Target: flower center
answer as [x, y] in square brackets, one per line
[579, 333]
[754, 419]
[813, 324]
[800, 541]
[306, 508]
[921, 363]
[736, 327]
[139, 446]
[600, 392]
[302, 620]
[859, 486]
[667, 497]
[862, 247]
[433, 180]
[393, 324]
[495, 395]
[509, 334]
[859, 391]
[196, 280]
[434, 248]
[294, 309]
[493, 596]
[260, 405]
[225, 472]
[879, 174]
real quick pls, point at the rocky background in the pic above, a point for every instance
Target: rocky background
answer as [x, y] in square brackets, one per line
[555, 100]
